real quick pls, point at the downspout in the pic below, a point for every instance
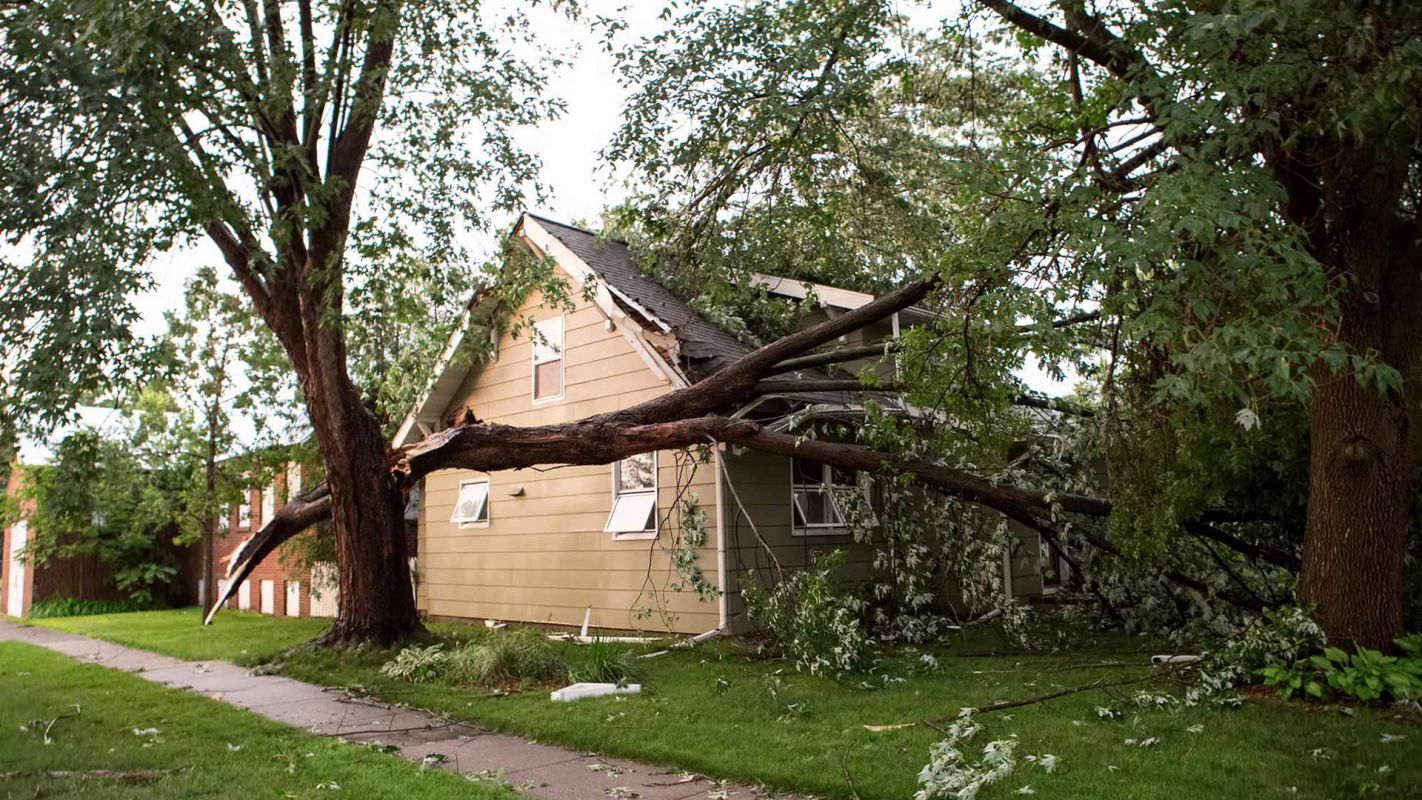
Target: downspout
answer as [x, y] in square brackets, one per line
[721, 580]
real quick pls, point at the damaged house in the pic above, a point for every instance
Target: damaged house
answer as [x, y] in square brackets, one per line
[616, 544]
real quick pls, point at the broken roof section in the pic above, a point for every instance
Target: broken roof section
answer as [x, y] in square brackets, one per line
[703, 346]
[678, 343]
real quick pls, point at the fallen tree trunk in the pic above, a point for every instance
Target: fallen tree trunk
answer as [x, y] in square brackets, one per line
[689, 417]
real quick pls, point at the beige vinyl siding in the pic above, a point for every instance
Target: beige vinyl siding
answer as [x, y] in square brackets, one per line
[543, 556]
[762, 484]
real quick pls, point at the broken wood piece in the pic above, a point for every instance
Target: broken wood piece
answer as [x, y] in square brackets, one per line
[135, 776]
[578, 691]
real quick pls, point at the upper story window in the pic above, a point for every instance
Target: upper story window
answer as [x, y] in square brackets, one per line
[471, 509]
[548, 359]
[268, 504]
[818, 493]
[634, 497]
[293, 481]
[244, 510]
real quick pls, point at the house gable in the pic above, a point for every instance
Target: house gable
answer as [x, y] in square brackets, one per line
[539, 553]
[622, 315]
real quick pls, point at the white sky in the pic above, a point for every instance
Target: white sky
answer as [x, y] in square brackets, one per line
[567, 147]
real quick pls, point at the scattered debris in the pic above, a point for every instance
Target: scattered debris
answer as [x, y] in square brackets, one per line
[234, 748]
[49, 726]
[578, 691]
[1390, 738]
[605, 768]
[135, 776]
[1174, 659]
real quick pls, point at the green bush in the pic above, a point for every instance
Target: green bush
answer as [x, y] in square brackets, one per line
[507, 657]
[1364, 675]
[74, 607]
[418, 664]
[602, 662]
[812, 620]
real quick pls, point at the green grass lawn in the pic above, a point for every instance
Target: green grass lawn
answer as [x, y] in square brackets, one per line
[713, 711]
[202, 748]
[235, 636]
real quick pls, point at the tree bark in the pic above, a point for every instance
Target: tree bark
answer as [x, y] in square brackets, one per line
[1364, 442]
[376, 602]
[367, 504]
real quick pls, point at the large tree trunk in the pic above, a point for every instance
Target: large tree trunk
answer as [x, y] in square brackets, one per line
[367, 504]
[1364, 443]
[368, 517]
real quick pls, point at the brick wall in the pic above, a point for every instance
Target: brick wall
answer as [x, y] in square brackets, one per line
[279, 568]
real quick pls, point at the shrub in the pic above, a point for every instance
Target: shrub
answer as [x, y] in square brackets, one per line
[1365, 675]
[74, 607]
[811, 620]
[602, 662]
[504, 658]
[418, 664]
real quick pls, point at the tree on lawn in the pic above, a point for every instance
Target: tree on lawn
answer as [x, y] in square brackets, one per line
[1050, 220]
[322, 147]
[1231, 186]
[217, 364]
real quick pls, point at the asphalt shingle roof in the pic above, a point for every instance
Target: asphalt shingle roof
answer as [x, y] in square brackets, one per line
[704, 345]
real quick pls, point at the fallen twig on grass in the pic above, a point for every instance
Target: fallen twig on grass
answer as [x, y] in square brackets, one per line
[1006, 704]
[136, 776]
[691, 777]
[50, 725]
[848, 779]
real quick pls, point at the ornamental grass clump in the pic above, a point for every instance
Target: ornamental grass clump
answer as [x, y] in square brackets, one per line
[507, 657]
[603, 662]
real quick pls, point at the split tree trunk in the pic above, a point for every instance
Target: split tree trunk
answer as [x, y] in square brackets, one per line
[1364, 443]
[376, 603]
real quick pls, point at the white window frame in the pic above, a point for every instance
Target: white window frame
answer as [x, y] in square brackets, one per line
[618, 495]
[293, 481]
[293, 591]
[562, 359]
[266, 597]
[268, 503]
[244, 511]
[838, 528]
[488, 498]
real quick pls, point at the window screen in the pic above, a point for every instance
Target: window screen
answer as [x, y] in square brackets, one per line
[634, 495]
[813, 490]
[472, 506]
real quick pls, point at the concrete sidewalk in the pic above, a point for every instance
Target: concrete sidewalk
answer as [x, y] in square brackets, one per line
[535, 770]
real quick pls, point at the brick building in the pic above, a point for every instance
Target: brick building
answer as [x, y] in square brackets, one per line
[281, 585]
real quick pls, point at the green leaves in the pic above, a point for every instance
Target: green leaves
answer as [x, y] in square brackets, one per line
[1365, 675]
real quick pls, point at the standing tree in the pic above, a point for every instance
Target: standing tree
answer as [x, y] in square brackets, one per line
[1231, 187]
[213, 342]
[134, 127]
